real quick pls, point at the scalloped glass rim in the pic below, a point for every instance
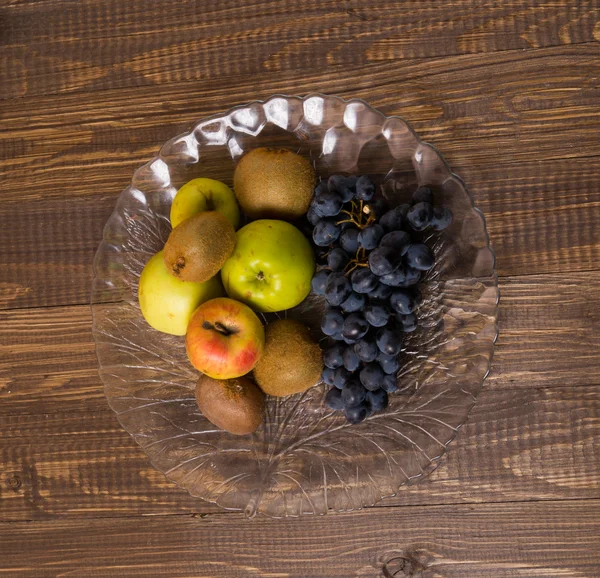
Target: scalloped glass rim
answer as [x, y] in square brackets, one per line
[304, 460]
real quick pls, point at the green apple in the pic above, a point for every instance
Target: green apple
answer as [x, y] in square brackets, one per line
[201, 195]
[167, 303]
[271, 267]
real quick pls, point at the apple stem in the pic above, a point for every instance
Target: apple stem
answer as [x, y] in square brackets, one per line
[219, 328]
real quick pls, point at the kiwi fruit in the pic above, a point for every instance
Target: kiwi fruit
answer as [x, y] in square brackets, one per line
[274, 183]
[235, 405]
[197, 248]
[291, 361]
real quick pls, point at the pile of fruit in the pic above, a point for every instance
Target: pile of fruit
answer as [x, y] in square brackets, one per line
[266, 266]
[212, 277]
[372, 260]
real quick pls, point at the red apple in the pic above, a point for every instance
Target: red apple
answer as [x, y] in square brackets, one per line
[224, 338]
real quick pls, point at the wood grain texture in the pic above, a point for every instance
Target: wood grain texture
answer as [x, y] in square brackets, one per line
[48, 361]
[58, 47]
[484, 108]
[508, 91]
[542, 218]
[495, 117]
[548, 331]
[524, 445]
[543, 540]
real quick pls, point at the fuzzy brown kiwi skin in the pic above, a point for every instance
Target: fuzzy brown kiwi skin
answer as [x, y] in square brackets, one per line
[197, 248]
[274, 183]
[291, 361]
[235, 405]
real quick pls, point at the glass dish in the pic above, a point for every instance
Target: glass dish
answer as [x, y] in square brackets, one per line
[305, 459]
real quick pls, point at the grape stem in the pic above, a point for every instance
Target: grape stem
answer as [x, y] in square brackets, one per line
[360, 260]
[360, 216]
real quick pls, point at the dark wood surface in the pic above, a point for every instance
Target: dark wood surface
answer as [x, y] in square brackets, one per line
[508, 91]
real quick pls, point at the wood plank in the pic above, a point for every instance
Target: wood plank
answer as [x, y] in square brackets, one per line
[48, 359]
[48, 248]
[478, 109]
[541, 216]
[527, 444]
[543, 540]
[548, 332]
[63, 47]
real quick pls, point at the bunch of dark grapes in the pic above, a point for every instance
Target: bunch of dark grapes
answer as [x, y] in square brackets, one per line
[371, 260]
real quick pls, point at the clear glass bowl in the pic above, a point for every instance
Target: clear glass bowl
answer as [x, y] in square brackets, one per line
[305, 458]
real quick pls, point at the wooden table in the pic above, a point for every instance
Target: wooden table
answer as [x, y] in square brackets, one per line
[508, 91]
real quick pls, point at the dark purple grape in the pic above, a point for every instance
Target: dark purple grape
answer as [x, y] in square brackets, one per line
[390, 383]
[337, 288]
[355, 326]
[389, 341]
[327, 375]
[312, 216]
[406, 323]
[403, 209]
[350, 183]
[349, 240]
[377, 314]
[318, 282]
[411, 277]
[351, 360]
[377, 400]
[365, 188]
[347, 194]
[422, 195]
[399, 240]
[340, 376]
[419, 256]
[366, 350]
[333, 399]
[383, 260]
[402, 302]
[356, 414]
[382, 291]
[353, 393]
[344, 186]
[363, 281]
[335, 182]
[325, 232]
[328, 204]
[355, 302]
[333, 357]
[389, 363]
[371, 376]
[419, 216]
[337, 259]
[392, 220]
[370, 236]
[395, 278]
[348, 341]
[321, 188]
[332, 322]
[442, 218]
